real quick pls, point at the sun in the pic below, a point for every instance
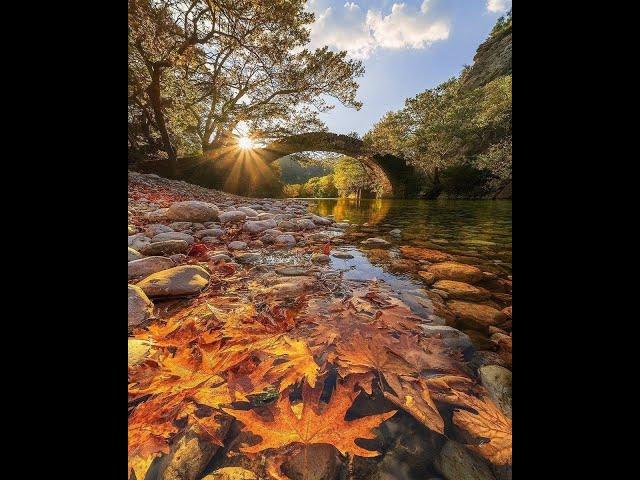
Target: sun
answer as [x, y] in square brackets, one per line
[245, 143]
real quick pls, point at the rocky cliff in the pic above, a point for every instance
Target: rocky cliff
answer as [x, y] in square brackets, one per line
[492, 59]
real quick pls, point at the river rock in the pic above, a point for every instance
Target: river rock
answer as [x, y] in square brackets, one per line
[148, 265]
[285, 240]
[424, 254]
[476, 315]
[156, 229]
[249, 212]
[140, 307]
[456, 462]
[138, 351]
[375, 242]
[480, 358]
[461, 290]
[304, 224]
[193, 211]
[257, 226]
[138, 241]
[292, 271]
[342, 255]
[218, 257]
[402, 265]
[134, 254]
[507, 311]
[180, 226]
[176, 281]
[318, 220]
[266, 216]
[237, 245]
[455, 271]
[210, 232]
[247, 258]
[158, 215]
[269, 236]
[233, 216]
[396, 232]
[451, 337]
[326, 463]
[320, 258]
[428, 277]
[497, 381]
[166, 247]
[504, 343]
[161, 237]
[286, 225]
[287, 287]
[231, 473]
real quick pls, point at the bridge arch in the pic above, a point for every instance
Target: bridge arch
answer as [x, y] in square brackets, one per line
[390, 171]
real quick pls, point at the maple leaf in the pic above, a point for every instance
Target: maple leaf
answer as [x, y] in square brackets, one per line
[315, 423]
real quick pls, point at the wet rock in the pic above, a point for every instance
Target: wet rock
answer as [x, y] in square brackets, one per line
[424, 254]
[375, 242]
[342, 255]
[292, 286]
[402, 265]
[167, 247]
[237, 245]
[176, 281]
[285, 240]
[507, 311]
[231, 473]
[320, 258]
[378, 255]
[257, 226]
[148, 265]
[504, 344]
[497, 381]
[292, 271]
[140, 307]
[461, 290]
[444, 295]
[191, 453]
[193, 211]
[138, 351]
[451, 337]
[161, 237]
[428, 277]
[134, 254]
[156, 228]
[180, 226]
[138, 241]
[396, 232]
[247, 258]
[210, 232]
[476, 315]
[455, 271]
[325, 465]
[456, 462]
[233, 216]
[480, 358]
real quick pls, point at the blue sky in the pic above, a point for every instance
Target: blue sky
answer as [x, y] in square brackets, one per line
[406, 46]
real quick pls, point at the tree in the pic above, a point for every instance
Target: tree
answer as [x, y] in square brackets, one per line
[351, 177]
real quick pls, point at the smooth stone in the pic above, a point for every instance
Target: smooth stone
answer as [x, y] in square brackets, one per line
[461, 290]
[320, 258]
[140, 307]
[220, 257]
[148, 265]
[167, 247]
[451, 337]
[210, 232]
[292, 271]
[257, 226]
[286, 225]
[292, 286]
[138, 241]
[158, 215]
[134, 254]
[507, 311]
[265, 216]
[233, 216]
[455, 271]
[304, 224]
[193, 211]
[424, 254]
[162, 237]
[237, 245]
[248, 212]
[179, 226]
[396, 232]
[285, 240]
[247, 258]
[497, 381]
[402, 265]
[341, 225]
[318, 220]
[156, 229]
[376, 242]
[132, 229]
[137, 350]
[178, 258]
[210, 240]
[342, 255]
[476, 315]
[176, 281]
[480, 358]
[456, 462]
[269, 236]
[428, 277]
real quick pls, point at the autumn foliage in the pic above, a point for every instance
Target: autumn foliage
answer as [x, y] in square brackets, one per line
[290, 372]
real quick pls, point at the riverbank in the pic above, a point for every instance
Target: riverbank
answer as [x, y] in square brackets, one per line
[243, 311]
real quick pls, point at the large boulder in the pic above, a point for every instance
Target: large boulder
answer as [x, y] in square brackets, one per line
[148, 265]
[455, 271]
[476, 315]
[140, 307]
[193, 211]
[176, 281]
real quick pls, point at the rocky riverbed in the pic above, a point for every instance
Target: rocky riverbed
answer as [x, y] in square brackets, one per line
[273, 286]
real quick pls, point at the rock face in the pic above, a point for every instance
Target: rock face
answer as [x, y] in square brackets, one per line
[233, 216]
[148, 265]
[424, 254]
[176, 281]
[475, 315]
[455, 462]
[461, 290]
[166, 247]
[193, 211]
[497, 381]
[455, 271]
[492, 60]
[140, 307]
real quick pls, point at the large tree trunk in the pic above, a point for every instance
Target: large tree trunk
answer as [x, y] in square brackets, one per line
[156, 104]
[436, 188]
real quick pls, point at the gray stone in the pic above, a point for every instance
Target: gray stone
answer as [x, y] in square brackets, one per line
[320, 258]
[220, 257]
[249, 212]
[286, 240]
[179, 226]
[161, 237]
[293, 271]
[456, 462]
[305, 224]
[167, 247]
[138, 241]
[269, 236]
[451, 337]
[237, 245]
[158, 215]
[178, 258]
[176, 281]
[134, 254]
[318, 220]
[210, 232]
[497, 381]
[258, 226]
[233, 216]
[140, 307]
[396, 232]
[247, 258]
[193, 211]
[156, 228]
[148, 265]
[375, 242]
[342, 255]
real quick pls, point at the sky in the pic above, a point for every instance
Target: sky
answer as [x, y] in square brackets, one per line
[406, 47]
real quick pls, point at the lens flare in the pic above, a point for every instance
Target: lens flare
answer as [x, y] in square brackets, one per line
[245, 143]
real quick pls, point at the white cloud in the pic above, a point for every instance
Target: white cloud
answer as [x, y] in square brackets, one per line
[498, 5]
[361, 33]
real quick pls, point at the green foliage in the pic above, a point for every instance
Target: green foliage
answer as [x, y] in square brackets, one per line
[351, 176]
[294, 171]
